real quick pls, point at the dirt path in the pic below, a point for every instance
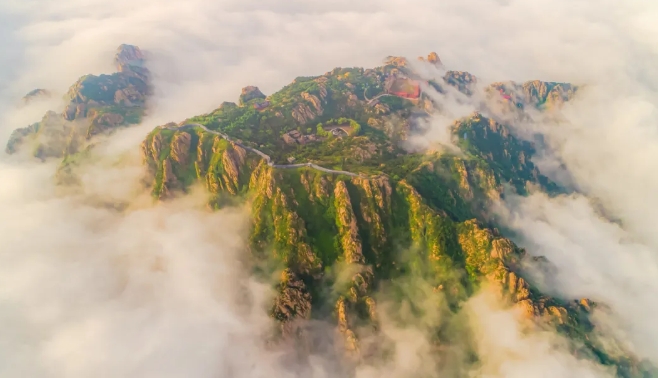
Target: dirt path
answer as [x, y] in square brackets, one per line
[266, 157]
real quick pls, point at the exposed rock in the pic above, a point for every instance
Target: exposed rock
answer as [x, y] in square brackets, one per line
[434, 58]
[95, 103]
[288, 139]
[129, 96]
[558, 313]
[352, 100]
[351, 344]
[371, 307]
[381, 109]
[249, 93]
[323, 91]
[36, 94]
[396, 61]
[169, 180]
[156, 146]
[303, 114]
[127, 56]
[75, 111]
[313, 100]
[501, 249]
[19, 135]
[463, 81]
[346, 221]
[322, 188]
[365, 152]
[227, 105]
[464, 184]
[180, 148]
[232, 159]
[106, 119]
[292, 303]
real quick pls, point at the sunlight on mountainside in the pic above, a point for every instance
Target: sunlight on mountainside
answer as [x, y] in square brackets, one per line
[222, 188]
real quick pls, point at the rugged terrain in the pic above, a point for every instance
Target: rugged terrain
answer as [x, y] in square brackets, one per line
[405, 227]
[93, 104]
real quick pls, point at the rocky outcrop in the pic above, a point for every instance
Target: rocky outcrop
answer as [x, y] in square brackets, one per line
[364, 152]
[232, 159]
[347, 227]
[75, 111]
[130, 61]
[129, 97]
[95, 104]
[397, 61]
[227, 105]
[170, 182]
[128, 87]
[292, 304]
[18, 136]
[108, 120]
[317, 104]
[548, 94]
[432, 58]
[463, 81]
[129, 56]
[36, 94]
[303, 114]
[180, 148]
[250, 93]
[352, 100]
[349, 337]
[535, 93]
[464, 183]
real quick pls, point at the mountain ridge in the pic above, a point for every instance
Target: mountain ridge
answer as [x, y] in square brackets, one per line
[380, 211]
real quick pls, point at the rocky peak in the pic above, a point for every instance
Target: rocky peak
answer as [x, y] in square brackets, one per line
[249, 93]
[227, 105]
[36, 94]
[128, 56]
[396, 61]
[432, 58]
[130, 61]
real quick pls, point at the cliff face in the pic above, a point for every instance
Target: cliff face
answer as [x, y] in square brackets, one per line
[372, 230]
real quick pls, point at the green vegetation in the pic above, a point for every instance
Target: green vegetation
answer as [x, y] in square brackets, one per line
[95, 104]
[413, 231]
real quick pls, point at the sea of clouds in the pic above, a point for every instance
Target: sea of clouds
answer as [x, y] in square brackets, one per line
[144, 290]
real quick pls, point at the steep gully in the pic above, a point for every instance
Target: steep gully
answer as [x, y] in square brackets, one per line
[262, 154]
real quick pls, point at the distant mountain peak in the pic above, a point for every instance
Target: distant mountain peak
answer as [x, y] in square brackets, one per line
[249, 93]
[129, 55]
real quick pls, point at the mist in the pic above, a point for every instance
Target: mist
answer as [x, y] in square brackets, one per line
[162, 290]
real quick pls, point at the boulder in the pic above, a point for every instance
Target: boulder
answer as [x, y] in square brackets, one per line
[249, 93]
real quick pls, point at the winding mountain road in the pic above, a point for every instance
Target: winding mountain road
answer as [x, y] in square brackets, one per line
[371, 100]
[266, 157]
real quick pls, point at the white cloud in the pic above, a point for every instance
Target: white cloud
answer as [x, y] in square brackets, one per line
[510, 346]
[82, 291]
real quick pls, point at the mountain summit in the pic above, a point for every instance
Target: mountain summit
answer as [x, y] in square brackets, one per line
[94, 104]
[344, 213]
